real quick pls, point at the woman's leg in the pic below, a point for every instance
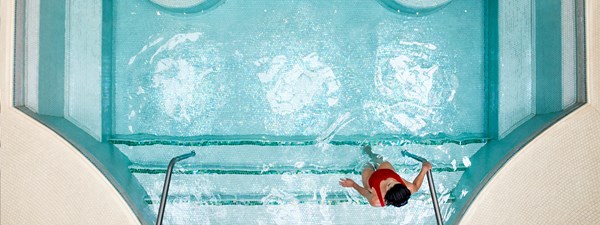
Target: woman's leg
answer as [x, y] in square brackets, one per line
[376, 159]
[366, 174]
[369, 168]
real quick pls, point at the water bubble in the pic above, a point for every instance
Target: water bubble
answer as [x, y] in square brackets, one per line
[466, 161]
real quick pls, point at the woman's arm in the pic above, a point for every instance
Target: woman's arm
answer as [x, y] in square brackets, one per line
[416, 184]
[368, 194]
[347, 182]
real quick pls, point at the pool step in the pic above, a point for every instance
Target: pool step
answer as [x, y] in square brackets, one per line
[269, 181]
[416, 212]
[279, 159]
[244, 170]
[283, 189]
[222, 199]
[321, 198]
[285, 199]
[272, 140]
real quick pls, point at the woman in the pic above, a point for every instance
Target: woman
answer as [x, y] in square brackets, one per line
[384, 186]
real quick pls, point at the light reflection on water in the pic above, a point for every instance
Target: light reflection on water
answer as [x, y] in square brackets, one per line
[410, 90]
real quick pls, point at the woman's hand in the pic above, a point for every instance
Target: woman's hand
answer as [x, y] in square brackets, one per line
[426, 166]
[347, 182]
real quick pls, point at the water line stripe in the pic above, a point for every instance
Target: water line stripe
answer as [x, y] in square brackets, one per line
[141, 170]
[270, 140]
[331, 198]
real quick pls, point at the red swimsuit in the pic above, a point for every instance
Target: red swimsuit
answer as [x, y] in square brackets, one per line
[380, 175]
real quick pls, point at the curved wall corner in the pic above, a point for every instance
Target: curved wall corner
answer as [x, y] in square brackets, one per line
[417, 7]
[550, 181]
[553, 179]
[187, 6]
[44, 179]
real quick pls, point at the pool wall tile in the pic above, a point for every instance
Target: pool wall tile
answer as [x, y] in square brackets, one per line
[51, 58]
[83, 65]
[516, 67]
[548, 56]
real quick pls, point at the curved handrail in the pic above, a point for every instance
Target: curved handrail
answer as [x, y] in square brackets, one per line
[165, 192]
[434, 199]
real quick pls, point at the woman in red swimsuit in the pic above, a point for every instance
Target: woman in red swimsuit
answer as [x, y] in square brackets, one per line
[384, 186]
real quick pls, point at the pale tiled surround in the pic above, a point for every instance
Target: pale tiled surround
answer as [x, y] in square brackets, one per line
[554, 179]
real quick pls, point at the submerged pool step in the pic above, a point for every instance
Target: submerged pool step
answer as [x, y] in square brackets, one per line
[272, 140]
[295, 159]
[243, 170]
[299, 182]
[416, 212]
[330, 198]
[286, 199]
[282, 189]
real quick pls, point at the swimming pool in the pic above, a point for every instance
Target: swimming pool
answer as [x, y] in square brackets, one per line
[306, 81]
[276, 98]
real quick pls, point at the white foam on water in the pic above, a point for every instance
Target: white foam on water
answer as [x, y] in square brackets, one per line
[332, 101]
[283, 215]
[333, 129]
[132, 59]
[299, 165]
[426, 45]
[407, 78]
[463, 193]
[176, 40]
[140, 90]
[417, 81]
[175, 83]
[131, 114]
[325, 210]
[292, 83]
[454, 164]
[158, 40]
[466, 161]
[178, 92]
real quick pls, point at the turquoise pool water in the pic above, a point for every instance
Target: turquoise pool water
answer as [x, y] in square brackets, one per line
[277, 96]
[295, 68]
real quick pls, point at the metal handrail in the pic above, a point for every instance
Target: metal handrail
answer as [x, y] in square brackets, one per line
[165, 192]
[434, 199]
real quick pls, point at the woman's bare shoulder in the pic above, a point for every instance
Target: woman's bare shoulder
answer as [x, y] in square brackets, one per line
[374, 201]
[410, 186]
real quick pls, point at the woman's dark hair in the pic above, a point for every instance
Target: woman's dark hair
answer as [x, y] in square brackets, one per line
[397, 196]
